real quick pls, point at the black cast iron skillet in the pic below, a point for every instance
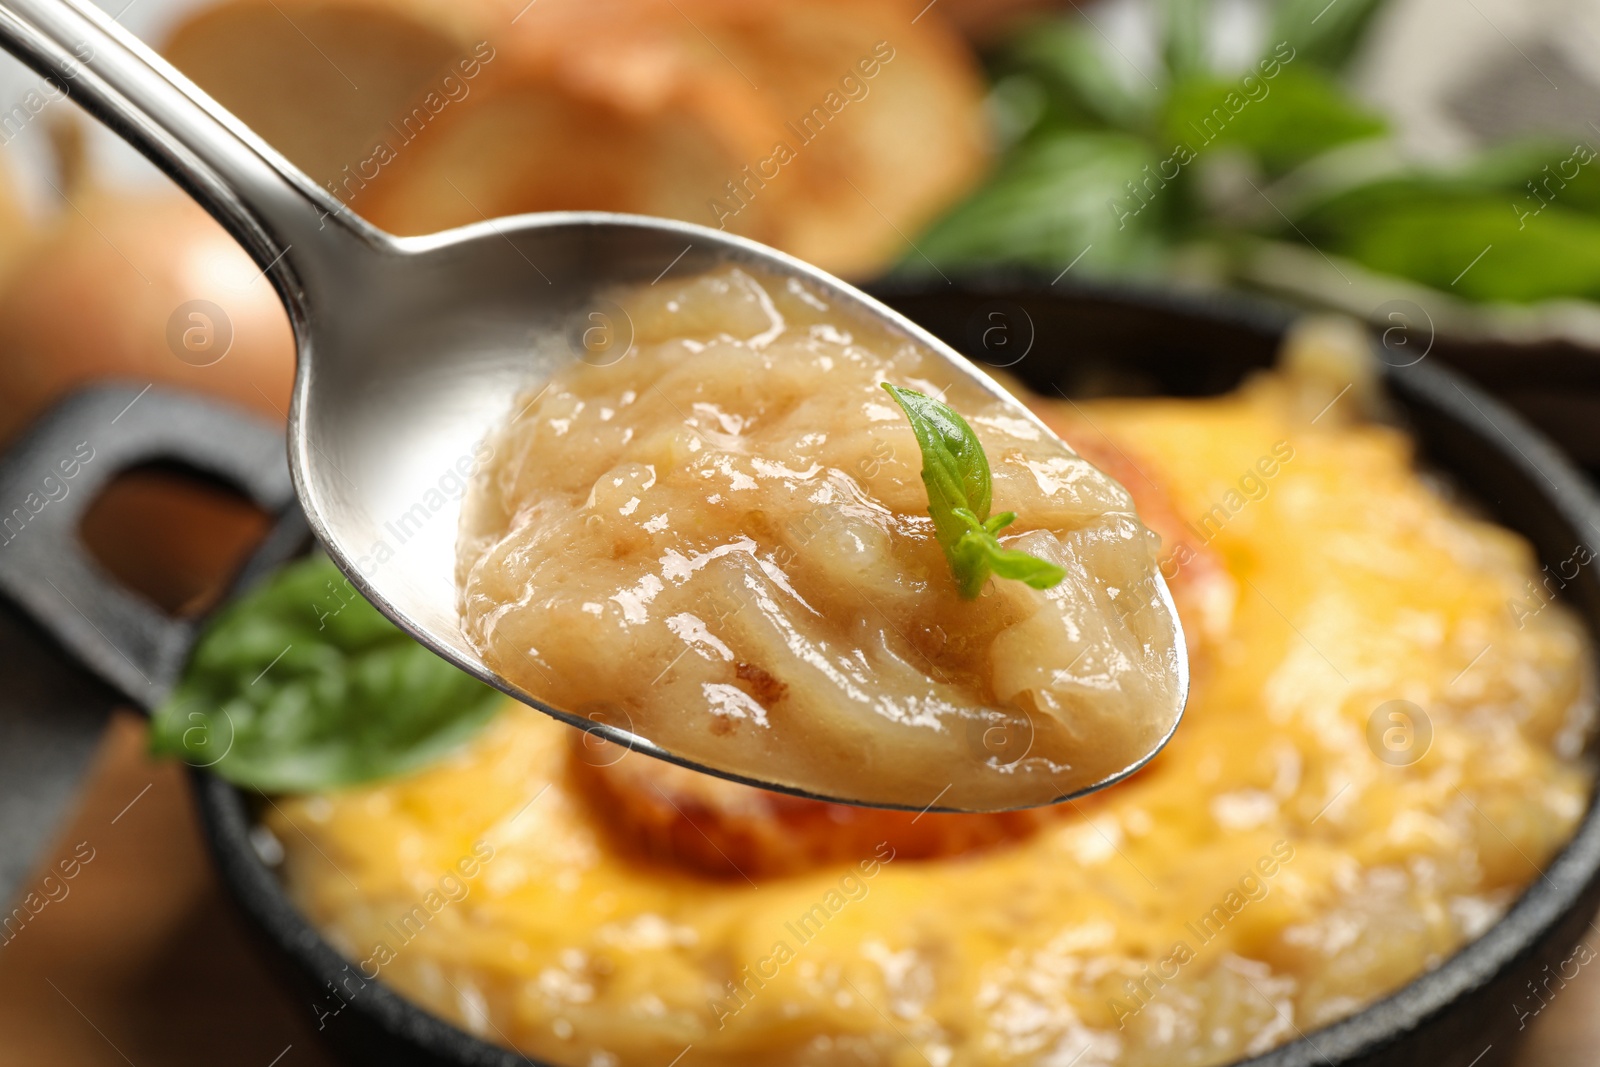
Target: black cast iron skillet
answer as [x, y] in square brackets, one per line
[1084, 341]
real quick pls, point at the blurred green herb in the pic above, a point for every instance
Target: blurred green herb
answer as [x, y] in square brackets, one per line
[297, 687]
[1281, 122]
[956, 473]
[1325, 34]
[1173, 164]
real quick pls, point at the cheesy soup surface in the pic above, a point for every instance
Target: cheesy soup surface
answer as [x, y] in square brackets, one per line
[721, 542]
[1295, 853]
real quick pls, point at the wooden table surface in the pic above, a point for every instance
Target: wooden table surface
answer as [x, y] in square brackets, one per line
[142, 964]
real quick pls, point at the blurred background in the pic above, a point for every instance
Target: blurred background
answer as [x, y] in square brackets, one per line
[1427, 166]
[1424, 165]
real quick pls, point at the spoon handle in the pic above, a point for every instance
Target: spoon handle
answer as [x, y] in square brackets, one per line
[294, 230]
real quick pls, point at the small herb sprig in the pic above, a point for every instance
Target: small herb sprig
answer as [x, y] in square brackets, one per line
[956, 472]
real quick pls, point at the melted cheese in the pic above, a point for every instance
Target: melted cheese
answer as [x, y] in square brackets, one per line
[1267, 874]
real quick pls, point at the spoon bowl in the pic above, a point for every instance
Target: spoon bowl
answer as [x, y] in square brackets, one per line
[411, 349]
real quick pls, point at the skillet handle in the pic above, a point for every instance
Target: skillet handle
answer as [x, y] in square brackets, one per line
[49, 480]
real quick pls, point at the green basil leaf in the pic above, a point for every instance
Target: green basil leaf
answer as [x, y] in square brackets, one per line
[1532, 171]
[1283, 121]
[1323, 33]
[1013, 563]
[1079, 78]
[956, 472]
[1059, 196]
[303, 685]
[1185, 30]
[1477, 244]
[955, 467]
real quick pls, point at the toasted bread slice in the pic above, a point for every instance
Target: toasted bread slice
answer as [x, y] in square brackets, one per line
[671, 815]
[831, 129]
[321, 81]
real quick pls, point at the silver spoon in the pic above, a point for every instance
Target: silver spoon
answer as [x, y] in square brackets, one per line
[409, 349]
